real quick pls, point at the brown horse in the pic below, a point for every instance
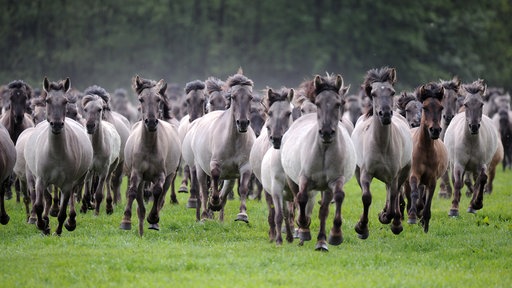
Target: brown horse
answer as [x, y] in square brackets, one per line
[429, 155]
[384, 149]
[152, 154]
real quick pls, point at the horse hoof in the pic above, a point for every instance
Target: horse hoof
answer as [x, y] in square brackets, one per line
[109, 211]
[304, 235]
[154, 227]
[54, 212]
[321, 246]
[32, 220]
[215, 207]
[70, 227]
[476, 205]
[471, 210]
[242, 217]
[4, 219]
[192, 203]
[183, 189]
[411, 220]
[397, 229]
[453, 213]
[362, 232]
[335, 240]
[296, 234]
[126, 226]
[46, 231]
[56, 234]
[384, 218]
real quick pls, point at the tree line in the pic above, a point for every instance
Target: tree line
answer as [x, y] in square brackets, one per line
[277, 43]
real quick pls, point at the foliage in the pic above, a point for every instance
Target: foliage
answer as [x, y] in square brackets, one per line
[470, 251]
[276, 42]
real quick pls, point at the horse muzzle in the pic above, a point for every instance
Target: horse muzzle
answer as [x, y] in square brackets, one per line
[151, 124]
[276, 142]
[90, 127]
[473, 128]
[385, 117]
[327, 136]
[57, 127]
[242, 125]
[435, 133]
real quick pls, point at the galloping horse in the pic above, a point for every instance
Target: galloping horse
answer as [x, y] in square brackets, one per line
[410, 108]
[384, 149]
[318, 155]
[60, 154]
[279, 118]
[106, 144]
[472, 141]
[152, 154]
[219, 144]
[429, 154]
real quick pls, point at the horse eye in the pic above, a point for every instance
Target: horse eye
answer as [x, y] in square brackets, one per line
[141, 100]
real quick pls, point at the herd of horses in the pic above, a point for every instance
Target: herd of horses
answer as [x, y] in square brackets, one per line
[61, 146]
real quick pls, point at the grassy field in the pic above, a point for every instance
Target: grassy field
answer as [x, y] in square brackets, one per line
[468, 251]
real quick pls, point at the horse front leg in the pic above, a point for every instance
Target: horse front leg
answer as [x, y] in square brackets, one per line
[184, 181]
[203, 199]
[86, 198]
[54, 210]
[272, 232]
[396, 224]
[412, 211]
[98, 194]
[336, 235]
[477, 201]
[458, 175]
[227, 187]
[61, 217]
[117, 179]
[445, 189]
[321, 243]
[4, 218]
[215, 201]
[243, 190]
[70, 224]
[194, 189]
[131, 194]
[303, 221]
[364, 180]
[426, 215]
[159, 192]
[43, 224]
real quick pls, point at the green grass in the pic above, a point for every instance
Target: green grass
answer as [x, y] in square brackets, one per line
[468, 251]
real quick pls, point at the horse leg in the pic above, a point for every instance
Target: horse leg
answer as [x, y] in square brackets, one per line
[17, 188]
[215, 201]
[4, 218]
[272, 232]
[141, 210]
[32, 193]
[303, 221]
[412, 212]
[117, 179]
[227, 188]
[429, 194]
[131, 194]
[98, 194]
[194, 189]
[203, 199]
[458, 174]
[109, 209]
[70, 224]
[323, 212]
[174, 199]
[26, 197]
[184, 181]
[62, 211]
[445, 189]
[492, 174]
[469, 184]
[336, 235]
[276, 203]
[243, 189]
[54, 210]
[364, 180]
[86, 198]
[477, 202]
[159, 192]
[394, 208]
[43, 224]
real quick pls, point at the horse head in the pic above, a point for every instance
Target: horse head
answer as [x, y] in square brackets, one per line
[431, 97]
[196, 99]
[378, 85]
[279, 114]
[473, 104]
[56, 99]
[217, 96]
[329, 93]
[410, 108]
[20, 94]
[150, 94]
[451, 101]
[93, 108]
[240, 90]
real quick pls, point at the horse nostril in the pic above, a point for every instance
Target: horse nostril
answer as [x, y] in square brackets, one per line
[146, 121]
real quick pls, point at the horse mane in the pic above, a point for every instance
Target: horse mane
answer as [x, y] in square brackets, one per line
[194, 85]
[404, 99]
[384, 74]
[452, 84]
[214, 85]
[18, 84]
[142, 84]
[477, 86]
[100, 92]
[307, 91]
[430, 90]
[239, 79]
[272, 96]
[90, 97]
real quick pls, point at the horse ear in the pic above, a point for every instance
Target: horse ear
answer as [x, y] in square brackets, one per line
[67, 85]
[163, 87]
[240, 71]
[46, 85]
[339, 82]
[291, 94]
[136, 82]
[344, 90]
[318, 81]
[392, 75]
[456, 80]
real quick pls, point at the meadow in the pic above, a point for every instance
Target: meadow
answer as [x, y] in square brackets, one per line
[467, 251]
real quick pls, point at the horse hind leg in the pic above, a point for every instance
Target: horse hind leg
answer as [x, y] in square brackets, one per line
[62, 211]
[70, 224]
[478, 195]
[445, 189]
[4, 218]
[364, 181]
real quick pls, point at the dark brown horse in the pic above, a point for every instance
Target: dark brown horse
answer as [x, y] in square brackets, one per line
[429, 155]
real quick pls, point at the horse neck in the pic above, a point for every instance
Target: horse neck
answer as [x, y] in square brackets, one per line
[381, 133]
[150, 139]
[229, 130]
[97, 136]
[58, 142]
[424, 136]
